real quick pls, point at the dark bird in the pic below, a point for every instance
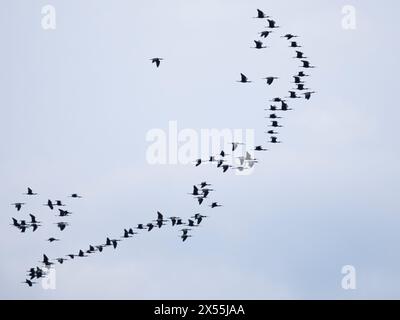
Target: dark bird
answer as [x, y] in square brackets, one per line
[15, 223]
[272, 24]
[302, 74]
[61, 260]
[220, 163]
[275, 124]
[195, 191]
[115, 243]
[244, 79]
[300, 87]
[277, 100]
[204, 184]
[307, 95]
[81, 254]
[265, 34]
[91, 249]
[198, 162]
[261, 15]
[30, 192]
[306, 64]
[160, 219]
[225, 167]
[297, 79]
[206, 192]
[274, 140]
[52, 239]
[215, 205]
[271, 108]
[273, 116]
[59, 203]
[29, 282]
[75, 195]
[23, 226]
[72, 256]
[49, 204]
[33, 219]
[150, 226]
[260, 148]
[126, 234]
[64, 213]
[294, 44]
[46, 261]
[259, 45]
[157, 61]
[235, 145]
[174, 220]
[199, 218]
[270, 80]
[289, 36]
[185, 236]
[140, 226]
[191, 223]
[299, 55]
[18, 205]
[62, 225]
[293, 95]
[285, 107]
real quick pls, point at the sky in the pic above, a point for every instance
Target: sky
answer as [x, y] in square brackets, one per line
[77, 103]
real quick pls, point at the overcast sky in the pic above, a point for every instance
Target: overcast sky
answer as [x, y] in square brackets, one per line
[77, 103]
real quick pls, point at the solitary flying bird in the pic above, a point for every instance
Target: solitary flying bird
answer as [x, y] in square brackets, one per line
[157, 61]
[270, 80]
[243, 79]
[30, 192]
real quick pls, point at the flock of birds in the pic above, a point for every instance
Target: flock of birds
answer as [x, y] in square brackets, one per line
[244, 159]
[200, 191]
[23, 224]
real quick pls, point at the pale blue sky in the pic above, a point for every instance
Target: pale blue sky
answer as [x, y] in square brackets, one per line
[76, 105]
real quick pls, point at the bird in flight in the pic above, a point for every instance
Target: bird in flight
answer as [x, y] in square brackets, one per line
[244, 79]
[261, 15]
[272, 24]
[18, 205]
[307, 95]
[49, 204]
[30, 192]
[157, 61]
[306, 64]
[270, 80]
[289, 36]
[259, 45]
[265, 34]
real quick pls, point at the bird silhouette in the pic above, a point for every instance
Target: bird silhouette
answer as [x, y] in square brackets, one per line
[30, 192]
[244, 79]
[18, 205]
[157, 61]
[270, 80]
[261, 15]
